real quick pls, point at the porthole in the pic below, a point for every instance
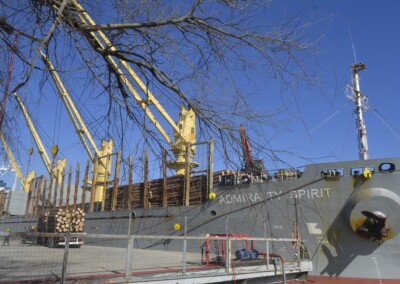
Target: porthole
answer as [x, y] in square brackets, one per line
[387, 167]
[213, 213]
[361, 171]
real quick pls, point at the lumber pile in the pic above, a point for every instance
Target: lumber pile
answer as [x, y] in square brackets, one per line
[175, 189]
[175, 192]
[62, 221]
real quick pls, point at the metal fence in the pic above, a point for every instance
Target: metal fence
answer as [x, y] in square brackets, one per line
[134, 258]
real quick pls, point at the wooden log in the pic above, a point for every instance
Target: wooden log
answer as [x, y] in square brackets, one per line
[116, 181]
[56, 184]
[85, 182]
[61, 189]
[106, 175]
[43, 196]
[76, 186]
[145, 180]
[130, 185]
[96, 165]
[68, 187]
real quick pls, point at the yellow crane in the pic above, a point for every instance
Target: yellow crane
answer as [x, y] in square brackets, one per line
[61, 164]
[25, 182]
[101, 173]
[184, 129]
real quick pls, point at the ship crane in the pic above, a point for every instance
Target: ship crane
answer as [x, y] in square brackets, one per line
[103, 169]
[61, 164]
[25, 182]
[184, 129]
[251, 166]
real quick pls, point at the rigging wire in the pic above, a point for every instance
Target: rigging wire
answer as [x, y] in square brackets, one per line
[352, 43]
[382, 119]
[327, 119]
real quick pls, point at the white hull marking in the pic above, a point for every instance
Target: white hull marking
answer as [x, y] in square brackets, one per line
[312, 228]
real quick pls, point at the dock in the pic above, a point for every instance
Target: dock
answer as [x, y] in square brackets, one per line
[96, 263]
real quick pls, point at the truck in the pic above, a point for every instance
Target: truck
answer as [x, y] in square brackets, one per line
[53, 226]
[59, 241]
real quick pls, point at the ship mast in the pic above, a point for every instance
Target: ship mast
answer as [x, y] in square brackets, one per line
[359, 107]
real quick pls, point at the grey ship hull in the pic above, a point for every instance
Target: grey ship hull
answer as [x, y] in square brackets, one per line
[328, 212]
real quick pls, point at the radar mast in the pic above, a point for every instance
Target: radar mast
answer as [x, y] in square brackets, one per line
[359, 107]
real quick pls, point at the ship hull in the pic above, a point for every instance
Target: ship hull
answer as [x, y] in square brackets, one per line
[326, 209]
[345, 280]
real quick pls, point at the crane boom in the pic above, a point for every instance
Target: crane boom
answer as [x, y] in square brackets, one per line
[31, 175]
[85, 19]
[103, 170]
[73, 113]
[252, 166]
[42, 151]
[77, 19]
[187, 115]
[248, 158]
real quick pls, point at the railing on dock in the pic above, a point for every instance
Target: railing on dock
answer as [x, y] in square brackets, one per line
[138, 258]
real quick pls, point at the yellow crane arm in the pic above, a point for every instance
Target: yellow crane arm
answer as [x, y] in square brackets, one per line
[73, 113]
[61, 164]
[85, 18]
[103, 169]
[31, 175]
[42, 151]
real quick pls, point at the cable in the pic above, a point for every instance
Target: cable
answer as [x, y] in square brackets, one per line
[326, 120]
[381, 118]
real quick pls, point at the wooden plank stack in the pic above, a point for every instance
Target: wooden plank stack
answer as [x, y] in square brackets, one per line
[64, 220]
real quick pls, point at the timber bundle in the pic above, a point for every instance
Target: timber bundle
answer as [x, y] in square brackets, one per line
[142, 196]
[64, 220]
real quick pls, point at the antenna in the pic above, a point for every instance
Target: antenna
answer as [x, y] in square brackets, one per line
[359, 107]
[352, 44]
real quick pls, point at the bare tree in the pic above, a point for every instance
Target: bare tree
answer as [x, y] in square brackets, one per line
[202, 54]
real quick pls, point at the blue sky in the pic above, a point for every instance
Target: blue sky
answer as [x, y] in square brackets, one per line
[374, 28]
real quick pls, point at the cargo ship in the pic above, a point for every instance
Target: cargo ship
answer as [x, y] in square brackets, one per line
[345, 215]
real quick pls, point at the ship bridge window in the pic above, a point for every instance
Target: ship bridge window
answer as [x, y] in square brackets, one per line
[285, 174]
[332, 173]
[386, 167]
[228, 179]
[362, 171]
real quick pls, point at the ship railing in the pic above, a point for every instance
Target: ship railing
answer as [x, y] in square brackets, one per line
[147, 258]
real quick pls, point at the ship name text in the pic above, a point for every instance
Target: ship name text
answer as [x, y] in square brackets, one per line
[313, 193]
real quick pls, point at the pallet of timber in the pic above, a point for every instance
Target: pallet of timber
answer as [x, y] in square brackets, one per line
[62, 221]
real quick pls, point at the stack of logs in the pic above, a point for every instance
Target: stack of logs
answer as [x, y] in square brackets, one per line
[64, 220]
[175, 189]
